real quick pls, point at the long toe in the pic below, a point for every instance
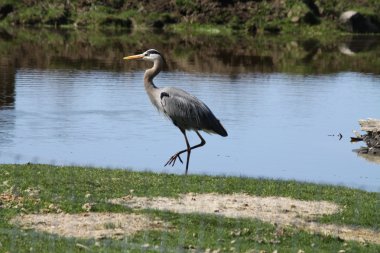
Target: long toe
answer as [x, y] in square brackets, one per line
[173, 159]
[179, 157]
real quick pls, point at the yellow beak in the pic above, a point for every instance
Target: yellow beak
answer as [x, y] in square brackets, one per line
[132, 57]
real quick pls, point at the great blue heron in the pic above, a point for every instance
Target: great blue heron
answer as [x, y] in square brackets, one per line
[186, 111]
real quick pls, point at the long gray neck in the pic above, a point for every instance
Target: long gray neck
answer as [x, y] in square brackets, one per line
[151, 73]
[150, 88]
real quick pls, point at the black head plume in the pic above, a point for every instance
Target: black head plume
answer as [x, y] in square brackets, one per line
[154, 51]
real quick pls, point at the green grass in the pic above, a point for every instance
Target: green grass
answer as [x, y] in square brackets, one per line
[186, 15]
[199, 29]
[68, 189]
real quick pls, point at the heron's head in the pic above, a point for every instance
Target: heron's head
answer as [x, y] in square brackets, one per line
[149, 55]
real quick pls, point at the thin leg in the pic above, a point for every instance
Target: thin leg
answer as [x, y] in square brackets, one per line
[173, 159]
[188, 152]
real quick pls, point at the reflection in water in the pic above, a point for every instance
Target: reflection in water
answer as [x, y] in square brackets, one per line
[7, 85]
[72, 100]
[230, 55]
[362, 43]
[370, 158]
[7, 101]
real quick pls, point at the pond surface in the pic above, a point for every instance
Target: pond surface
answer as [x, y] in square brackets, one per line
[61, 104]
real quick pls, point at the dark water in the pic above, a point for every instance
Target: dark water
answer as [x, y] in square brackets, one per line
[68, 98]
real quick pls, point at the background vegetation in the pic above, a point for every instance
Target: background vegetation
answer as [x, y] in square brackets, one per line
[268, 16]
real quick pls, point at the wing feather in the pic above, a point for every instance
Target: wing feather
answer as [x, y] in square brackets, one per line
[188, 112]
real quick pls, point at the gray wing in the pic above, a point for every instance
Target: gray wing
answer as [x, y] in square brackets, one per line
[188, 112]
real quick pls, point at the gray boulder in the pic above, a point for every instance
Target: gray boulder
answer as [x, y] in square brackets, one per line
[355, 22]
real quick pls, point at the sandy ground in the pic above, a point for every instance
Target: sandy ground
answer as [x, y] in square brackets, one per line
[276, 210]
[89, 225]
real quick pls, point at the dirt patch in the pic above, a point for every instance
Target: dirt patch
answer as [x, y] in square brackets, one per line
[9, 200]
[89, 225]
[276, 210]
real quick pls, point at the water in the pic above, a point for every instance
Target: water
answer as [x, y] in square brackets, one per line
[280, 124]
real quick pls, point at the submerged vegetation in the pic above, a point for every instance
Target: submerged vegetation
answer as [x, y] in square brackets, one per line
[269, 16]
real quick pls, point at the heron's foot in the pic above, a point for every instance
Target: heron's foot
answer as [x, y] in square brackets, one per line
[173, 159]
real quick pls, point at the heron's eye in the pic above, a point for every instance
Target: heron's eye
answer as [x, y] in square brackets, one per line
[146, 54]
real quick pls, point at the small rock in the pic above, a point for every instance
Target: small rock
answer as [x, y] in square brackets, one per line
[87, 206]
[295, 19]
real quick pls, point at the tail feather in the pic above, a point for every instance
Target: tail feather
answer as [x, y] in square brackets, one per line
[219, 129]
